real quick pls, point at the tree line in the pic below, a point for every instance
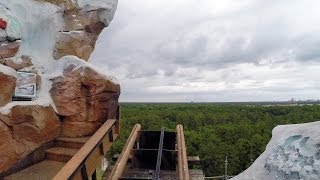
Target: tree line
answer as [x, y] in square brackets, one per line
[213, 131]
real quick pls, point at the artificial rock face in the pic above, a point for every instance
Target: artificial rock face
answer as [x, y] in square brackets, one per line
[292, 153]
[77, 43]
[17, 63]
[72, 98]
[85, 99]
[23, 130]
[81, 28]
[7, 85]
[9, 49]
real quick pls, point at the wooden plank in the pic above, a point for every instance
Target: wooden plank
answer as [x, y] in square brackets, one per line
[193, 160]
[184, 156]
[106, 144]
[93, 161]
[77, 175]
[80, 157]
[124, 156]
[180, 171]
[183, 170]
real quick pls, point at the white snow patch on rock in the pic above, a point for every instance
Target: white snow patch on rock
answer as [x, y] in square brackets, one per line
[41, 23]
[68, 60]
[7, 70]
[109, 7]
[39, 26]
[7, 108]
[14, 27]
[292, 153]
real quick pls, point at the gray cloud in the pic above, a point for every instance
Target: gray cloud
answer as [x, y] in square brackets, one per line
[213, 50]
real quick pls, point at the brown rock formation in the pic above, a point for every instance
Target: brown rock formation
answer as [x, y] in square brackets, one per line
[77, 43]
[9, 50]
[25, 129]
[78, 19]
[8, 147]
[85, 99]
[25, 62]
[82, 26]
[67, 5]
[7, 86]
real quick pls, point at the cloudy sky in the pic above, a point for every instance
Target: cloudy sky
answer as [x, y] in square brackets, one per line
[213, 50]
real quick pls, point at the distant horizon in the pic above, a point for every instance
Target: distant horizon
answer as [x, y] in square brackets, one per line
[213, 50]
[310, 100]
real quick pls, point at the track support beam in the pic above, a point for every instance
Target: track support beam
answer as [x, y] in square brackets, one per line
[183, 170]
[124, 156]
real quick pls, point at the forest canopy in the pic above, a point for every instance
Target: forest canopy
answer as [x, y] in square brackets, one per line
[214, 131]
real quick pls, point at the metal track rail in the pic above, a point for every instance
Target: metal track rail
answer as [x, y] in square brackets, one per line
[158, 166]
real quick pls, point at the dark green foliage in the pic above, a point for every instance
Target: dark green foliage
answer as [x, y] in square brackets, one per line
[213, 131]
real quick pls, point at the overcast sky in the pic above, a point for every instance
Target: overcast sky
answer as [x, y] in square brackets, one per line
[213, 50]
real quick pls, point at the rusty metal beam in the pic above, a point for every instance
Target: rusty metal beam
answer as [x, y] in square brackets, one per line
[183, 170]
[124, 156]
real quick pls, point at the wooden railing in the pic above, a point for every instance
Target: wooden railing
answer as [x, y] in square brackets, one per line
[85, 162]
[124, 156]
[183, 170]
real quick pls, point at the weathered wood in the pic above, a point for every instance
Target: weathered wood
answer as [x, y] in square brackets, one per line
[79, 159]
[124, 156]
[183, 170]
[178, 139]
[93, 161]
[193, 160]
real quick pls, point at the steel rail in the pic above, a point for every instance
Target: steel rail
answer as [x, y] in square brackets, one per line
[158, 166]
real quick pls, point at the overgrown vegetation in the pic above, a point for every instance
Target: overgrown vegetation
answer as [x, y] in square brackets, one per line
[213, 131]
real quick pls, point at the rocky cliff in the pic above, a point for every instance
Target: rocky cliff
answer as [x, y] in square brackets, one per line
[54, 40]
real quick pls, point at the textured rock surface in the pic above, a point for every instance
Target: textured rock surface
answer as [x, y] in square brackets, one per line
[67, 5]
[13, 31]
[24, 129]
[8, 50]
[77, 43]
[7, 86]
[85, 99]
[292, 153]
[290, 160]
[17, 64]
[82, 26]
[78, 19]
[36, 33]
